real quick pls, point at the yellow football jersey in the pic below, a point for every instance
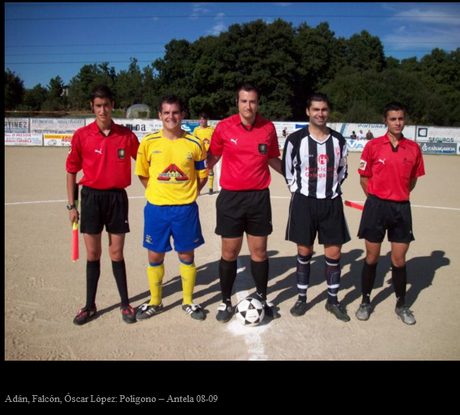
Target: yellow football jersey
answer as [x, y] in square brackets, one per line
[172, 167]
[204, 134]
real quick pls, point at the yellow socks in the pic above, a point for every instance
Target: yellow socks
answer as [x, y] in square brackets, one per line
[188, 273]
[156, 273]
[211, 181]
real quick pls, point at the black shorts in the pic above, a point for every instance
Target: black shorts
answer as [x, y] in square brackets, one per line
[101, 208]
[244, 211]
[310, 216]
[381, 215]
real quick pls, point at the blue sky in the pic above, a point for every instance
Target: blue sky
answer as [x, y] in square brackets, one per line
[44, 40]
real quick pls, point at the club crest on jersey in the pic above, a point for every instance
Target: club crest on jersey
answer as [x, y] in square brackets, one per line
[173, 173]
[263, 149]
[121, 153]
[323, 159]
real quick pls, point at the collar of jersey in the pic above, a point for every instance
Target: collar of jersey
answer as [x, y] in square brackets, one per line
[95, 128]
[402, 141]
[237, 121]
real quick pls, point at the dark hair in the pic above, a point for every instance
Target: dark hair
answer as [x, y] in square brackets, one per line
[320, 97]
[171, 99]
[203, 115]
[393, 106]
[102, 92]
[247, 87]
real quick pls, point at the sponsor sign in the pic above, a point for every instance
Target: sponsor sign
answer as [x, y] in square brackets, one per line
[438, 135]
[16, 125]
[23, 139]
[55, 126]
[139, 126]
[356, 146]
[57, 140]
[377, 130]
[189, 126]
[58, 132]
[439, 148]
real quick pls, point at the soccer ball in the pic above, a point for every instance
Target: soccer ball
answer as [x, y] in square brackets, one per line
[250, 312]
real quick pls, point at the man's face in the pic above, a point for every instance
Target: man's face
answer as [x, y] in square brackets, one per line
[102, 108]
[318, 113]
[248, 105]
[203, 122]
[171, 116]
[395, 122]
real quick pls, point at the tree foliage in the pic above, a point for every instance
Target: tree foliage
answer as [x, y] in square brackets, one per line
[287, 63]
[14, 90]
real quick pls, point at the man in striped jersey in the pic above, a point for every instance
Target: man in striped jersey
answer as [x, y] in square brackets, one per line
[315, 165]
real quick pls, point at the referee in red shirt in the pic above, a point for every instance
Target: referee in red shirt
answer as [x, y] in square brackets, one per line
[247, 144]
[389, 168]
[103, 150]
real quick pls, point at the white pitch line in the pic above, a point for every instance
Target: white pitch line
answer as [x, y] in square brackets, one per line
[38, 202]
[436, 207]
[252, 335]
[418, 206]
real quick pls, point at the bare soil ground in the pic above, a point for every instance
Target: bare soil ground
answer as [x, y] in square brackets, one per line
[44, 289]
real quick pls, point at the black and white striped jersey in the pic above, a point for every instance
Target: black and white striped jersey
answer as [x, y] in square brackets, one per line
[313, 168]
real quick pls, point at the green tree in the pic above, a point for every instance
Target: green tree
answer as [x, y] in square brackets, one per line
[411, 65]
[55, 100]
[321, 56]
[440, 72]
[255, 52]
[129, 86]
[361, 96]
[175, 70]
[80, 86]
[364, 52]
[34, 98]
[14, 90]
[150, 87]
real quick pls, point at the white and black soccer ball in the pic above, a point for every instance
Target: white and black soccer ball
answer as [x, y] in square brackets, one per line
[250, 312]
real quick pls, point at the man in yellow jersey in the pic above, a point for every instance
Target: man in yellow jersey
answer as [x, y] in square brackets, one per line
[171, 165]
[204, 133]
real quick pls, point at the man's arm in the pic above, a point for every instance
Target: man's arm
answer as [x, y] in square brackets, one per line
[144, 180]
[364, 181]
[201, 183]
[71, 182]
[412, 184]
[275, 164]
[212, 160]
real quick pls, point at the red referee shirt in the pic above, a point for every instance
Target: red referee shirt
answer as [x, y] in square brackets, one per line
[391, 170]
[105, 160]
[245, 153]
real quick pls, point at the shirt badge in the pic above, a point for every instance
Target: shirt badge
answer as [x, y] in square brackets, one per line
[263, 149]
[121, 153]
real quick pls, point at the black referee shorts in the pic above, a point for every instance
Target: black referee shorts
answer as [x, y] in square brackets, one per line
[381, 215]
[309, 217]
[244, 211]
[101, 208]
